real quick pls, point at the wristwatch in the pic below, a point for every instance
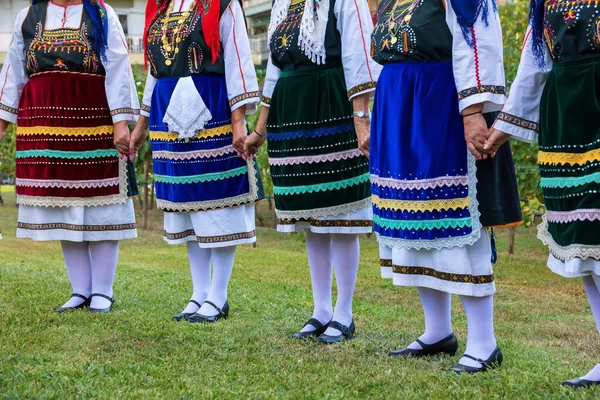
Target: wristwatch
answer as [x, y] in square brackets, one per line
[362, 114]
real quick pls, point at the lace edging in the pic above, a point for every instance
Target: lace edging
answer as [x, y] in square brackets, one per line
[564, 253]
[61, 131]
[569, 182]
[39, 201]
[421, 205]
[338, 156]
[190, 155]
[245, 198]
[209, 177]
[321, 187]
[325, 211]
[48, 183]
[312, 133]
[419, 184]
[439, 244]
[590, 214]
[572, 159]
[72, 155]
[173, 136]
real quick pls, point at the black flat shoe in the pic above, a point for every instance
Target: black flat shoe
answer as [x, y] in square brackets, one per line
[319, 330]
[102, 310]
[448, 345]
[184, 315]
[199, 318]
[580, 383]
[347, 333]
[86, 303]
[494, 361]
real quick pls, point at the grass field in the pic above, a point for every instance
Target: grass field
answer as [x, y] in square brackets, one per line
[544, 327]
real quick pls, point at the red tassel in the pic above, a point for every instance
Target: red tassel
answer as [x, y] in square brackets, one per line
[210, 28]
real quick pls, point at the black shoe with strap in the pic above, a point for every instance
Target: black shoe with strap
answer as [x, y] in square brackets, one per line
[347, 333]
[86, 303]
[102, 310]
[184, 315]
[318, 331]
[578, 383]
[448, 345]
[494, 361]
[199, 318]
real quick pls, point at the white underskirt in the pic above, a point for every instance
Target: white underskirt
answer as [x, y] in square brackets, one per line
[213, 228]
[78, 224]
[574, 267]
[474, 260]
[363, 214]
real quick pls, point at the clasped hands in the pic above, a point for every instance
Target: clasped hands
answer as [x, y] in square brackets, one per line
[482, 141]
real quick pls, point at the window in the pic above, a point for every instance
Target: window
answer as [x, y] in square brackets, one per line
[123, 21]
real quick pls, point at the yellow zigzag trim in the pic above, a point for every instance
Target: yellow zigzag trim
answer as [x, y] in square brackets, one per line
[545, 157]
[62, 131]
[172, 136]
[421, 205]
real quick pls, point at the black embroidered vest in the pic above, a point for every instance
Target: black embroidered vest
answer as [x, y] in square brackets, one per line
[62, 49]
[411, 30]
[185, 51]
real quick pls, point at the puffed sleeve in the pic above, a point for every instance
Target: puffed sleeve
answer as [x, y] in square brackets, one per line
[240, 75]
[148, 91]
[120, 85]
[13, 76]
[478, 67]
[271, 78]
[521, 113]
[355, 25]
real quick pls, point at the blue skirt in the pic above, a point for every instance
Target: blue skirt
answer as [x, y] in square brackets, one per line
[423, 178]
[205, 172]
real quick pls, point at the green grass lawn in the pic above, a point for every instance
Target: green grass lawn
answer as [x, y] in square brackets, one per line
[544, 326]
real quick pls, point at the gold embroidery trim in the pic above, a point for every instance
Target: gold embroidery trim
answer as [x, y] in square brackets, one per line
[172, 136]
[445, 276]
[420, 205]
[62, 131]
[552, 158]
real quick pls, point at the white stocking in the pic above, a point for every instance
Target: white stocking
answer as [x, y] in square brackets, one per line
[77, 260]
[318, 249]
[481, 341]
[438, 321]
[222, 263]
[346, 252]
[592, 288]
[104, 256]
[200, 268]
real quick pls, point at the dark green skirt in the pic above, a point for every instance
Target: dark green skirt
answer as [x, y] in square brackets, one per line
[317, 170]
[569, 159]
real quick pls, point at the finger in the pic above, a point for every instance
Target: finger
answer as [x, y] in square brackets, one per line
[473, 151]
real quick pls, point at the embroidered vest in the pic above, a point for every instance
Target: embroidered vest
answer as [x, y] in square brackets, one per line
[285, 52]
[177, 48]
[63, 49]
[572, 28]
[411, 30]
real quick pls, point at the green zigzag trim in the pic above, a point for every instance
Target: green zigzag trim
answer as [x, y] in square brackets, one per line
[321, 187]
[68, 154]
[423, 224]
[570, 181]
[213, 176]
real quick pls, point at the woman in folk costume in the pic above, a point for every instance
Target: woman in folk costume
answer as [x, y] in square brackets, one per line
[201, 84]
[441, 59]
[316, 112]
[555, 99]
[67, 83]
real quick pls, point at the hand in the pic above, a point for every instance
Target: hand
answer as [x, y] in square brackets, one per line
[476, 133]
[239, 138]
[363, 134]
[253, 143]
[497, 139]
[3, 127]
[138, 136]
[121, 139]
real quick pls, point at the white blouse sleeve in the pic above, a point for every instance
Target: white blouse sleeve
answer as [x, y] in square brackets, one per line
[120, 86]
[13, 76]
[271, 78]
[521, 114]
[148, 91]
[478, 69]
[356, 26]
[240, 75]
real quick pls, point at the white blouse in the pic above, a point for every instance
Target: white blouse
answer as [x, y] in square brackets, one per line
[120, 87]
[478, 70]
[240, 75]
[520, 116]
[355, 26]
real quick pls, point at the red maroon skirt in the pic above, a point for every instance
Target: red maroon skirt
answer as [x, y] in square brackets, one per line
[65, 152]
